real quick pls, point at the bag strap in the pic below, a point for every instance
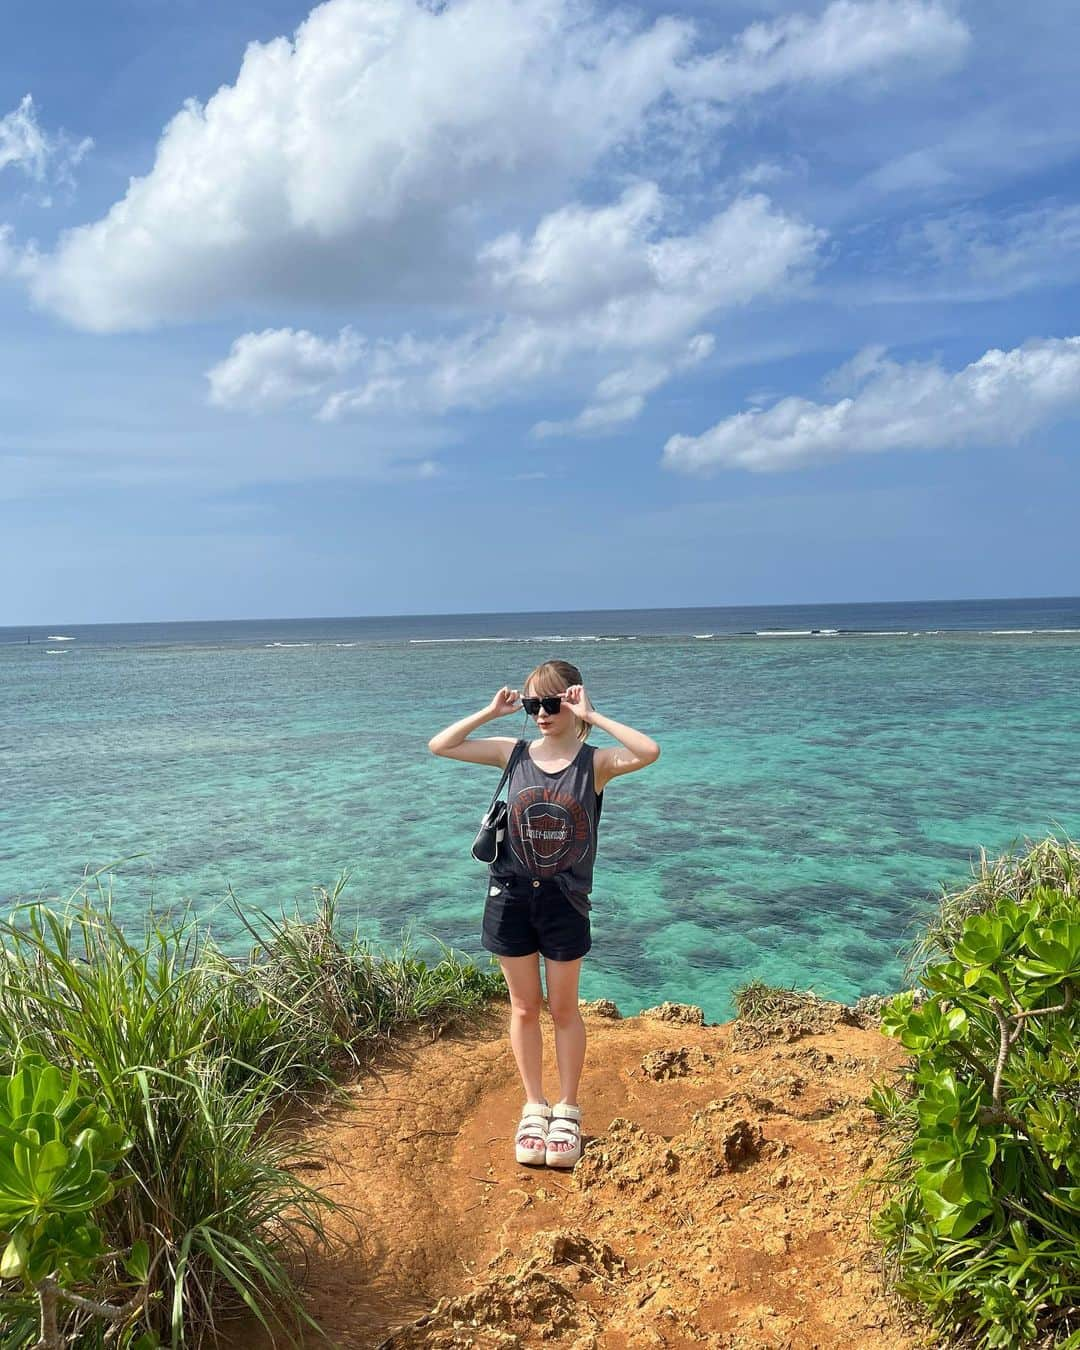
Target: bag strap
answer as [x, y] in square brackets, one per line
[515, 755]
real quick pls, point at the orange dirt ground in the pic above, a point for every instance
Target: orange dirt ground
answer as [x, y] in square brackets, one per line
[715, 1203]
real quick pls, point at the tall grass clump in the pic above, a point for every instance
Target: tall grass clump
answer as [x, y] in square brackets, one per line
[196, 1055]
[982, 1227]
[1051, 862]
[340, 998]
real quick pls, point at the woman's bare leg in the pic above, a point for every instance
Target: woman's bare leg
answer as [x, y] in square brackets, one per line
[562, 994]
[522, 975]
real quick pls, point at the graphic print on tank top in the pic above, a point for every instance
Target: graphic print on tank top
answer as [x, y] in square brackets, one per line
[549, 831]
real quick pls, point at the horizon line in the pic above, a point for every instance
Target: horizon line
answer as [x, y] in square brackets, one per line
[488, 613]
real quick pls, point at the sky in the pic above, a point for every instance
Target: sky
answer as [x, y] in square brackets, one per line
[384, 308]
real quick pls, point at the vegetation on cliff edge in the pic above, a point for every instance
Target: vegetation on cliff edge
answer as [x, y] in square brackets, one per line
[189, 1054]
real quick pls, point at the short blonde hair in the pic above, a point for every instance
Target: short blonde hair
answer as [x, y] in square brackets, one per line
[552, 677]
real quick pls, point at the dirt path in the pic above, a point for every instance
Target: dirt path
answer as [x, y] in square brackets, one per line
[714, 1205]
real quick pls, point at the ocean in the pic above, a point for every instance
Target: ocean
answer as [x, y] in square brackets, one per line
[824, 770]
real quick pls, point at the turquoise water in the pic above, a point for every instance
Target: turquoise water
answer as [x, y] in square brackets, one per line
[810, 797]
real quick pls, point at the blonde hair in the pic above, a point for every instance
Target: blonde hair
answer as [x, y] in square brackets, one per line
[552, 677]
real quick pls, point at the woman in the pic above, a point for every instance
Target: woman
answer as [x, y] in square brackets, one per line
[538, 895]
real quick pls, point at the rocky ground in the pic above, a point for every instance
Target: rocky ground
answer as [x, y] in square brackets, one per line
[717, 1202]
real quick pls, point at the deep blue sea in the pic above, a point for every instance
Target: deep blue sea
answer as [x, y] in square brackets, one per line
[824, 770]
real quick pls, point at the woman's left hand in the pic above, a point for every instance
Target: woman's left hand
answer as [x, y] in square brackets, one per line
[577, 700]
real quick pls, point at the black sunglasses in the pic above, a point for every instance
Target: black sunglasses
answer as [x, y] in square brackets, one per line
[551, 704]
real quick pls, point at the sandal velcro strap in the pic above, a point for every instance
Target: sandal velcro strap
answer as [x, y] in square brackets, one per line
[565, 1128]
[534, 1122]
[562, 1111]
[568, 1130]
[564, 1136]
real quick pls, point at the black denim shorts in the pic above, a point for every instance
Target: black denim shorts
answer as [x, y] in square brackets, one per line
[522, 917]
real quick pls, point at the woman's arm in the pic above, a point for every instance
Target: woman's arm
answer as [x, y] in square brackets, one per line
[634, 751]
[495, 750]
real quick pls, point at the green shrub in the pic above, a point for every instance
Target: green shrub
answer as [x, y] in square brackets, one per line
[1052, 862]
[983, 1230]
[195, 1055]
[58, 1153]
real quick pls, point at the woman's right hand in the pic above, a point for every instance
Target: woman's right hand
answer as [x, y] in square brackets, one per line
[506, 701]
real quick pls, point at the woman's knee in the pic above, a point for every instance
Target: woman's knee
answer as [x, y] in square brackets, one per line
[522, 975]
[563, 1014]
[562, 991]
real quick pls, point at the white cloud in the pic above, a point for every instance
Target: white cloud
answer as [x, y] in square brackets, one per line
[996, 400]
[963, 256]
[767, 171]
[16, 261]
[23, 144]
[8, 251]
[846, 379]
[424, 469]
[578, 256]
[620, 397]
[45, 158]
[1000, 254]
[360, 160]
[344, 165]
[278, 366]
[566, 298]
[850, 37]
[998, 141]
[624, 279]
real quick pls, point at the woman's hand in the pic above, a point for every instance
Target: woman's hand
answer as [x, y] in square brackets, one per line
[577, 700]
[504, 702]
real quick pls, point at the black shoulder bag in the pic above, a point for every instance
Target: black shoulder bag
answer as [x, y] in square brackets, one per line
[492, 829]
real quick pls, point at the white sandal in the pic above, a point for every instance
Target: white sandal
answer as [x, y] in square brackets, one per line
[533, 1124]
[565, 1129]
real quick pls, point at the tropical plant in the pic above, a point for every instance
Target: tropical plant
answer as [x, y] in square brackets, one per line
[1053, 862]
[58, 1153]
[203, 1059]
[983, 1230]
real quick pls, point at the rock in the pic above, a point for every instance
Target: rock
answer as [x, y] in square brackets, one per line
[600, 1007]
[675, 1012]
[537, 1299]
[741, 1143]
[571, 1247]
[867, 1010]
[660, 1065]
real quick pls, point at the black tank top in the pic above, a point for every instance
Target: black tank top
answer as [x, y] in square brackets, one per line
[551, 826]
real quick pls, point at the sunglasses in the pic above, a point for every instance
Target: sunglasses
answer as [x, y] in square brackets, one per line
[550, 705]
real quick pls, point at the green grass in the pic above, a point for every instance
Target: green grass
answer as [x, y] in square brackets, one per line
[1053, 862]
[200, 1055]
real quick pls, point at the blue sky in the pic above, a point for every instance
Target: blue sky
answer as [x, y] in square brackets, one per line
[535, 304]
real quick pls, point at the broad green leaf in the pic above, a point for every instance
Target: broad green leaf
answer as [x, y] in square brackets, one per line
[13, 1259]
[51, 1161]
[969, 1217]
[956, 1021]
[49, 1090]
[138, 1261]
